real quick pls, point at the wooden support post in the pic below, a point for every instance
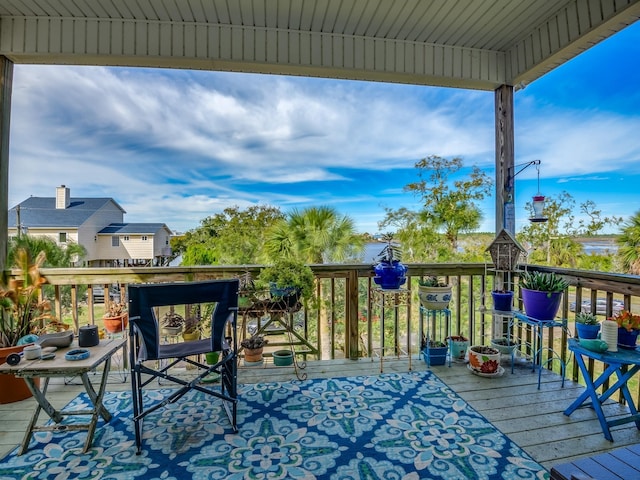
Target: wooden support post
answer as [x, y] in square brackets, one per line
[504, 132]
[6, 82]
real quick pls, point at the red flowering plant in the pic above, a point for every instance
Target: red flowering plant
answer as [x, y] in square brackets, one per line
[627, 320]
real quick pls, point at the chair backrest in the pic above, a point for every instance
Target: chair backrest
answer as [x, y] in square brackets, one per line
[143, 298]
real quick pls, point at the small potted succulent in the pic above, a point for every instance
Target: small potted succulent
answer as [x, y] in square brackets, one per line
[434, 352]
[587, 325]
[434, 294]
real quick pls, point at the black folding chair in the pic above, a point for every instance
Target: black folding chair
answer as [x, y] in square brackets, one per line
[146, 349]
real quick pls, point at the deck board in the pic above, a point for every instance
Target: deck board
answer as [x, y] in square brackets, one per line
[532, 418]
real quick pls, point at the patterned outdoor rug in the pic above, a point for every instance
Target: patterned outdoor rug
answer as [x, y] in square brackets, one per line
[391, 426]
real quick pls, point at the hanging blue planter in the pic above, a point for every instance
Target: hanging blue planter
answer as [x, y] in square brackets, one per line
[390, 275]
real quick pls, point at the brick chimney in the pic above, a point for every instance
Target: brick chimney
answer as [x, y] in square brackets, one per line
[63, 197]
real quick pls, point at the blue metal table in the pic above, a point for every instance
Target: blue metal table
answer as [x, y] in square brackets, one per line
[614, 361]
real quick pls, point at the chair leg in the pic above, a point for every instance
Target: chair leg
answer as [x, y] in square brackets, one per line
[137, 402]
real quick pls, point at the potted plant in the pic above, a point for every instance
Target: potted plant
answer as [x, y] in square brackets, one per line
[192, 327]
[22, 313]
[253, 348]
[172, 323]
[628, 328]
[116, 318]
[247, 290]
[502, 300]
[541, 294]
[434, 294]
[434, 352]
[287, 280]
[390, 272]
[458, 345]
[483, 359]
[587, 325]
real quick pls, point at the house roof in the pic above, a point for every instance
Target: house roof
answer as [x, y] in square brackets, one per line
[462, 43]
[133, 228]
[41, 212]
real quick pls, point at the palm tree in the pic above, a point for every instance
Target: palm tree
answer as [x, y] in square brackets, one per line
[629, 242]
[315, 235]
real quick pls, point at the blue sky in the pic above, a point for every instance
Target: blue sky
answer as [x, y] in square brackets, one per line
[175, 146]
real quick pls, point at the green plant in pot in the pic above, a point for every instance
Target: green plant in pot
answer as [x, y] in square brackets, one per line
[22, 315]
[253, 348]
[434, 293]
[541, 294]
[248, 290]
[288, 280]
[587, 325]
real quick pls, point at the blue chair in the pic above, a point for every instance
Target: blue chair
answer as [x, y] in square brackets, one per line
[147, 351]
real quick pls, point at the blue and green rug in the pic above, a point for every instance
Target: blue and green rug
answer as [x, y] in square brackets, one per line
[391, 426]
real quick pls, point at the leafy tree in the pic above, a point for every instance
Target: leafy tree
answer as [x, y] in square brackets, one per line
[449, 207]
[629, 242]
[313, 235]
[553, 242]
[419, 242]
[56, 255]
[232, 237]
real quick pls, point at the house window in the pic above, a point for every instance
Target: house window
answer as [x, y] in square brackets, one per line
[125, 238]
[115, 241]
[62, 237]
[144, 238]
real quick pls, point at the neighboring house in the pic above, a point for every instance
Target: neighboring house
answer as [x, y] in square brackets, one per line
[95, 223]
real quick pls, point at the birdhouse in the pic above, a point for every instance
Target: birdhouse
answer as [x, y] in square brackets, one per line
[505, 252]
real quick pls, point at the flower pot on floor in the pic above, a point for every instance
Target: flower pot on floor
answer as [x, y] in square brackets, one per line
[458, 347]
[484, 359]
[253, 355]
[283, 358]
[434, 356]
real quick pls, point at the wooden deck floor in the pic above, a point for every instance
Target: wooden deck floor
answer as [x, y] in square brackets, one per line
[532, 418]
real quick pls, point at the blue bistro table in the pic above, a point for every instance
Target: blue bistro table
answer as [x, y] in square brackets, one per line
[614, 363]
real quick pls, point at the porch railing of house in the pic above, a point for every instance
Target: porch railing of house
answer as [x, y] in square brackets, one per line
[344, 318]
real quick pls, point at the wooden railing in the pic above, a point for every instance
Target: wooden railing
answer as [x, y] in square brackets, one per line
[344, 321]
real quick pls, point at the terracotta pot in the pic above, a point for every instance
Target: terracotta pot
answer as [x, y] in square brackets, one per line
[253, 354]
[116, 324]
[13, 389]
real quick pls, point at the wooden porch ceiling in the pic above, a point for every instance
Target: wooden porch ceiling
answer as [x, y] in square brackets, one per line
[463, 43]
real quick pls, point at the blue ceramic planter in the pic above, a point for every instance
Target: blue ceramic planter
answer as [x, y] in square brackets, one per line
[390, 276]
[587, 331]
